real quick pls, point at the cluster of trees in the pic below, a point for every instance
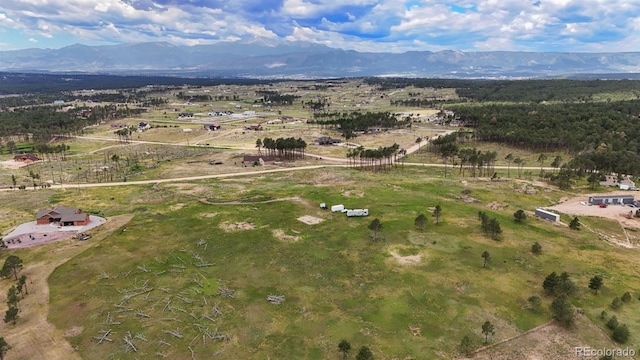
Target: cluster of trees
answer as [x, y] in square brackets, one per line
[318, 108]
[602, 135]
[275, 98]
[349, 124]
[534, 91]
[39, 84]
[490, 227]
[193, 97]
[477, 162]
[11, 268]
[42, 123]
[363, 354]
[57, 151]
[289, 148]
[378, 159]
[561, 286]
[466, 344]
[421, 220]
[425, 103]
[620, 332]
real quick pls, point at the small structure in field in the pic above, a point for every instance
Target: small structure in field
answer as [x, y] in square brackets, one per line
[336, 208]
[249, 160]
[611, 199]
[548, 215]
[253, 127]
[211, 127]
[358, 212]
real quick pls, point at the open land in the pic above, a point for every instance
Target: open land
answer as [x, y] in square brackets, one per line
[197, 246]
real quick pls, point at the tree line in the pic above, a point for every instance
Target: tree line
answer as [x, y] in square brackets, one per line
[287, 148]
[349, 124]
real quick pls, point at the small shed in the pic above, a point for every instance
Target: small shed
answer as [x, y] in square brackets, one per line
[548, 215]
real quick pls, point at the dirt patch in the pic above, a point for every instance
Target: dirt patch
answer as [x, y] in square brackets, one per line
[310, 220]
[494, 205]
[406, 260]
[465, 198]
[209, 215]
[353, 193]
[12, 164]
[176, 207]
[74, 331]
[237, 226]
[547, 342]
[281, 235]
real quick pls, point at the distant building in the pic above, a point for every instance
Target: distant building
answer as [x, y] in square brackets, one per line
[26, 158]
[212, 127]
[326, 140]
[257, 127]
[611, 199]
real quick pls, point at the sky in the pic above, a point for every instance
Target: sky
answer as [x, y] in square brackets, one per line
[362, 25]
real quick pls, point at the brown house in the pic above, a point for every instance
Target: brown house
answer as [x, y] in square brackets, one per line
[253, 127]
[65, 216]
[26, 158]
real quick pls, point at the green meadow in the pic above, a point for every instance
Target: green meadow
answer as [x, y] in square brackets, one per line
[157, 281]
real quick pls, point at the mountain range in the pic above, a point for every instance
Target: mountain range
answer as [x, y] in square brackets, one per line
[264, 58]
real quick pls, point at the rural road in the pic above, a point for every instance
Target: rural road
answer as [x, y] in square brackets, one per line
[343, 163]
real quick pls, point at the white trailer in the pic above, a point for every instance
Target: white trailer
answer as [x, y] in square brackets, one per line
[336, 208]
[358, 212]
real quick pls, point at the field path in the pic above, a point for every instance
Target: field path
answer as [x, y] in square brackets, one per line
[33, 337]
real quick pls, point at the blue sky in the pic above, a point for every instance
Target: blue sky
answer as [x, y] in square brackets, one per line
[363, 25]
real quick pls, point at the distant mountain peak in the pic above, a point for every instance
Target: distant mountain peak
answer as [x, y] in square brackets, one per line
[266, 57]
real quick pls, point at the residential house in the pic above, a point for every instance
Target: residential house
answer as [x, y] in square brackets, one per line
[62, 215]
[257, 127]
[26, 158]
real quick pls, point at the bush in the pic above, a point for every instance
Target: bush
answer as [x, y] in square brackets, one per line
[616, 303]
[626, 297]
[621, 334]
[603, 315]
[612, 323]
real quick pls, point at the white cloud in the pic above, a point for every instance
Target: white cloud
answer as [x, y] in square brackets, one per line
[382, 25]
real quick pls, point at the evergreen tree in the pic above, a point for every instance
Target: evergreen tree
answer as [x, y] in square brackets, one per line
[437, 212]
[420, 221]
[574, 224]
[364, 354]
[595, 283]
[488, 329]
[536, 248]
[344, 346]
[562, 310]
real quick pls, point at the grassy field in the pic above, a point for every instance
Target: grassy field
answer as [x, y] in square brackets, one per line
[148, 281]
[154, 274]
